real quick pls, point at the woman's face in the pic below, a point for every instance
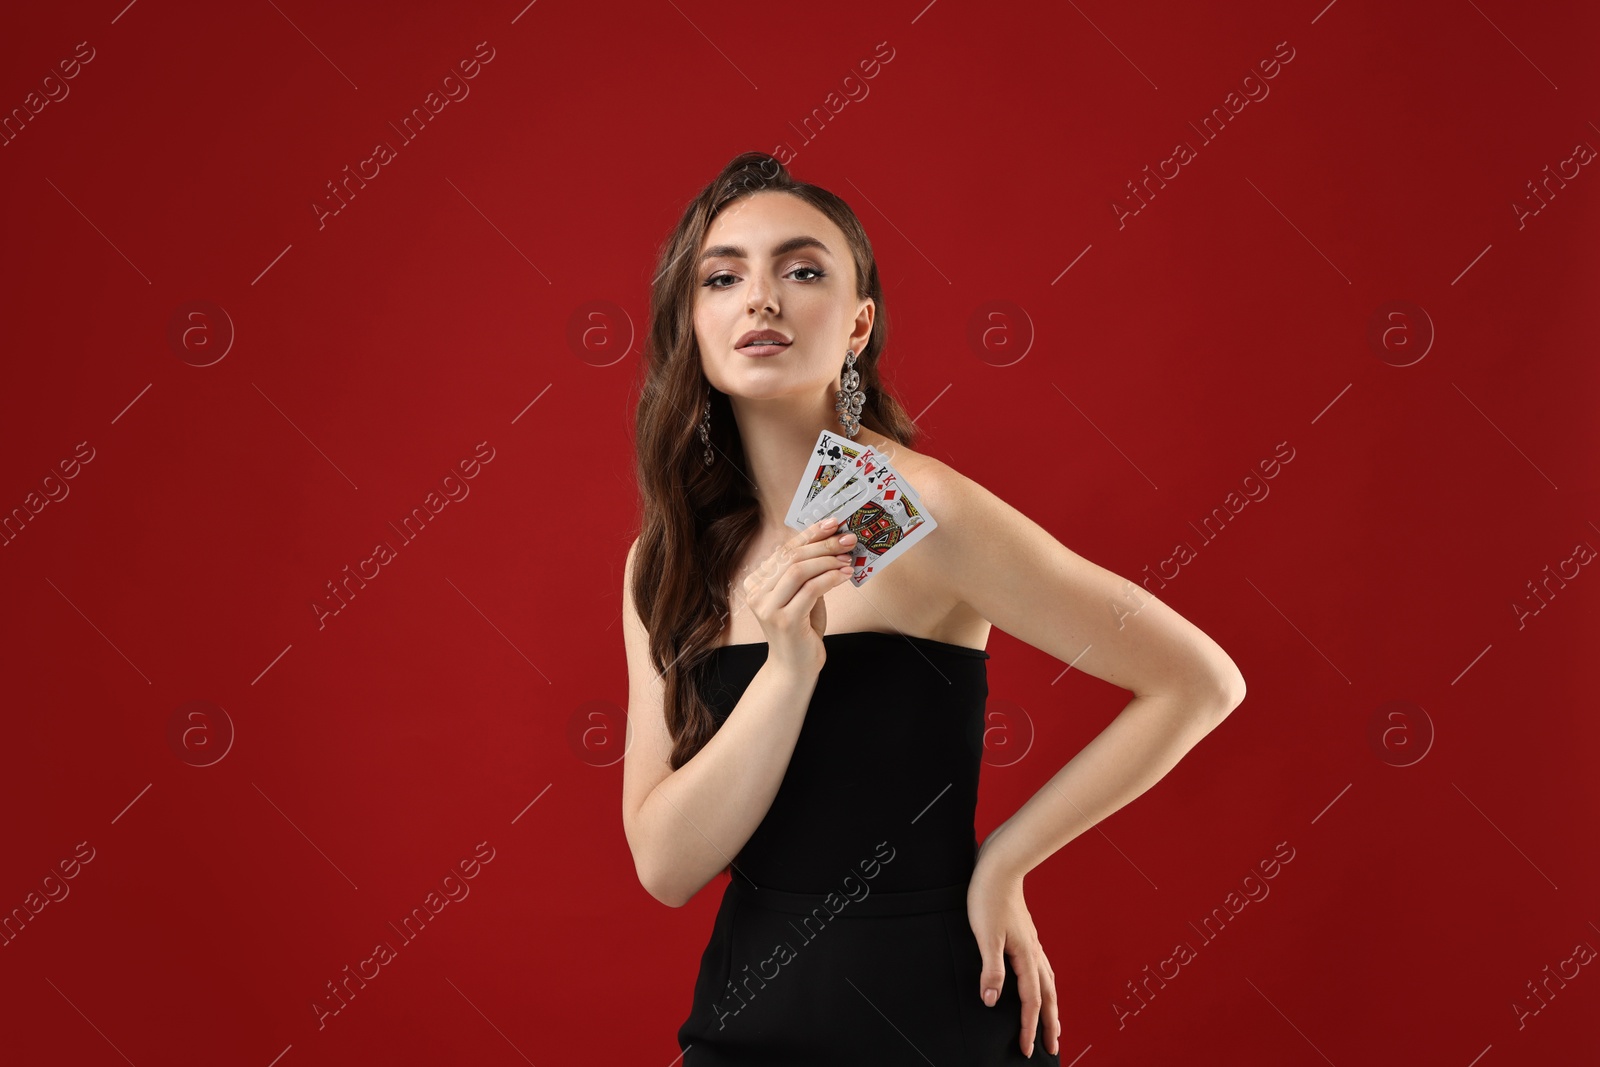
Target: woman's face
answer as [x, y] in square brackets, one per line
[805, 293]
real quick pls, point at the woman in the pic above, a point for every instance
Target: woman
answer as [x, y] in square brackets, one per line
[821, 741]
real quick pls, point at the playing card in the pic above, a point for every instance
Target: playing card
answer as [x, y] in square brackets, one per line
[854, 481]
[828, 457]
[854, 495]
[885, 525]
[853, 489]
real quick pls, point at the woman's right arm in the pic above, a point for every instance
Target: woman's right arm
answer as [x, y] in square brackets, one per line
[685, 826]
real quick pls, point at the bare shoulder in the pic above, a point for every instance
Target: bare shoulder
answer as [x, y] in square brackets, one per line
[947, 494]
[994, 560]
[936, 482]
[978, 536]
[921, 470]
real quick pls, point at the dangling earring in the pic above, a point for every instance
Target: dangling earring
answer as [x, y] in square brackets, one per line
[848, 400]
[705, 428]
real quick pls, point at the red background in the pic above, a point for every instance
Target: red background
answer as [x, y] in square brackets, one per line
[1118, 403]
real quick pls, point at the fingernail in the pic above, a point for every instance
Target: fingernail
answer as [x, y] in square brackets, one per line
[828, 524]
[990, 996]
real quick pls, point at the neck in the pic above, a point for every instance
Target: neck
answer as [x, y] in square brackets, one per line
[779, 435]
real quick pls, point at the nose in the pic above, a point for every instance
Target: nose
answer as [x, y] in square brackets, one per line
[759, 295]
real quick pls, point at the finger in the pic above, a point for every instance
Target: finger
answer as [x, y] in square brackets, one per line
[841, 546]
[803, 561]
[832, 538]
[788, 568]
[801, 548]
[820, 528]
[1028, 987]
[780, 588]
[992, 977]
[1052, 1011]
[786, 551]
[829, 573]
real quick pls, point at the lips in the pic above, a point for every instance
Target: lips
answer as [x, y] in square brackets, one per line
[747, 345]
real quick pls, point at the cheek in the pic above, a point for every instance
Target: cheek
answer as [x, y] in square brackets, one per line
[707, 314]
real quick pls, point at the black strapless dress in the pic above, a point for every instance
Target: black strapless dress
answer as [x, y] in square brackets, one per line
[842, 937]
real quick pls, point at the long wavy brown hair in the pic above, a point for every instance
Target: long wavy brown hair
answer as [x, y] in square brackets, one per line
[695, 521]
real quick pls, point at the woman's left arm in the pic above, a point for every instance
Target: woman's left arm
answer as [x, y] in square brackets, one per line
[1021, 579]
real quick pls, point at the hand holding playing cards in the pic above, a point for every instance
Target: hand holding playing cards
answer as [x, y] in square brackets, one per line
[857, 485]
[785, 593]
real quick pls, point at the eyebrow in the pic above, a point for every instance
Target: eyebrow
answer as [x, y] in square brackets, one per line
[791, 245]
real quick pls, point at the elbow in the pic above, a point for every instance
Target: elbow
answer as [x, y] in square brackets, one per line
[1208, 692]
[655, 871]
[644, 867]
[1228, 691]
[671, 888]
[1217, 683]
[665, 876]
[656, 884]
[666, 895]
